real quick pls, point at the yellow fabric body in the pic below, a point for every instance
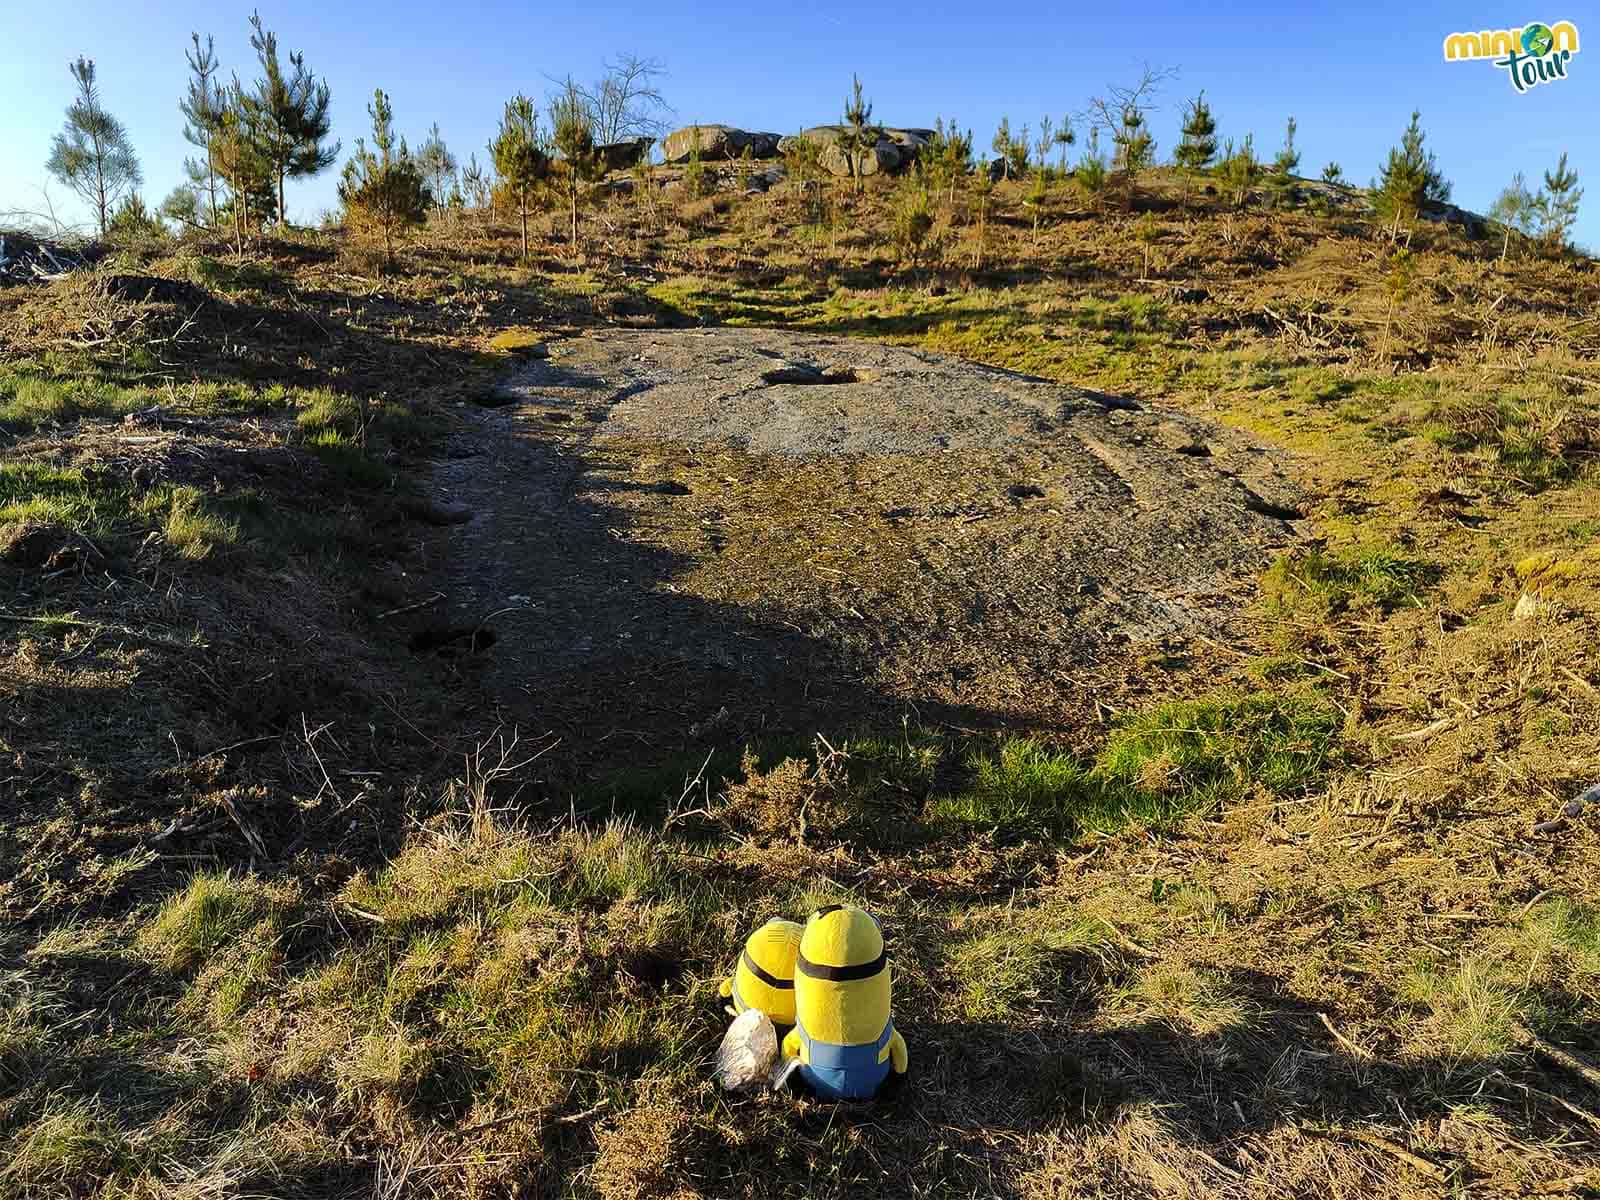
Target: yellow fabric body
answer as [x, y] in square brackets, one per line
[773, 947]
[856, 1010]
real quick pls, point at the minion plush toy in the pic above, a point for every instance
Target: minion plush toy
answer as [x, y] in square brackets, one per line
[843, 1034]
[764, 978]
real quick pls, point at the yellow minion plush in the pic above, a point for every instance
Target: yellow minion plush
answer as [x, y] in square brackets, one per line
[764, 978]
[843, 1035]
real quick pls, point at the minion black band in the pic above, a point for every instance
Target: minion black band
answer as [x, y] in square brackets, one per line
[842, 974]
[754, 968]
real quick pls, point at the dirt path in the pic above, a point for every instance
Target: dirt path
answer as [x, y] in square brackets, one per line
[749, 531]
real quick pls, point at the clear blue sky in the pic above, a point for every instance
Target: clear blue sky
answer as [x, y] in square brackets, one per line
[1351, 73]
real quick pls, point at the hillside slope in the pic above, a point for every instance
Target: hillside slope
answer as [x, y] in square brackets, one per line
[337, 863]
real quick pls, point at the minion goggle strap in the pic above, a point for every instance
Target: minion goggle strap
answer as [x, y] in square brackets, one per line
[766, 977]
[842, 974]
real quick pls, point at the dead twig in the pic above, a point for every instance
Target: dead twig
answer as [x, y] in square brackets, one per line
[1426, 732]
[1581, 682]
[1126, 942]
[1360, 1052]
[1578, 379]
[1587, 1071]
[251, 836]
[407, 608]
[1583, 1114]
[1379, 1142]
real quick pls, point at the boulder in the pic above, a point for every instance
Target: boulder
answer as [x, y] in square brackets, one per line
[894, 152]
[718, 143]
[912, 140]
[884, 158]
[624, 156]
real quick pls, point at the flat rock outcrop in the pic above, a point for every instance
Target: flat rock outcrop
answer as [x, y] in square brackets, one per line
[1051, 522]
[718, 143]
[894, 151]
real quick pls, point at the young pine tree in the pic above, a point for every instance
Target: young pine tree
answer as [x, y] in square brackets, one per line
[1409, 178]
[1066, 139]
[913, 218]
[183, 207]
[695, 179]
[948, 158]
[1398, 282]
[1557, 205]
[1281, 177]
[474, 182]
[1146, 234]
[438, 167]
[860, 136]
[236, 152]
[1135, 149]
[382, 188]
[1047, 139]
[1040, 191]
[202, 109]
[1333, 173]
[288, 114]
[1197, 148]
[982, 195]
[572, 121]
[133, 222]
[1515, 209]
[1017, 159]
[519, 157]
[1092, 172]
[1001, 145]
[1239, 169]
[92, 154]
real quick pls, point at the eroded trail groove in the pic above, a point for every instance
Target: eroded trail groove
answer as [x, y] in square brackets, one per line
[668, 524]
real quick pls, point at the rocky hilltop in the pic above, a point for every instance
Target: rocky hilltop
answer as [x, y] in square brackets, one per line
[896, 149]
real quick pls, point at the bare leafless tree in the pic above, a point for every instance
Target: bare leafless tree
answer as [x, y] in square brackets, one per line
[626, 101]
[1108, 112]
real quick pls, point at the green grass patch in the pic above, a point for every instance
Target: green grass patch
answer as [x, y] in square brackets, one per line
[1003, 971]
[1326, 582]
[516, 341]
[1117, 344]
[1023, 784]
[346, 457]
[1155, 768]
[1190, 753]
[191, 528]
[28, 401]
[1568, 931]
[231, 277]
[1194, 999]
[1473, 1009]
[1527, 434]
[27, 1012]
[1126, 314]
[214, 909]
[63, 496]
[496, 963]
[36, 393]
[71, 1148]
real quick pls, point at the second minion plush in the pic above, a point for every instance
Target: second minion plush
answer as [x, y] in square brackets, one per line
[764, 978]
[844, 1036]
